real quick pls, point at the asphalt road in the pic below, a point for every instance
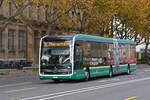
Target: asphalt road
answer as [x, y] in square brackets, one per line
[121, 87]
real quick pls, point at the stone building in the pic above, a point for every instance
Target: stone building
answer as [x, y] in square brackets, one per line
[18, 41]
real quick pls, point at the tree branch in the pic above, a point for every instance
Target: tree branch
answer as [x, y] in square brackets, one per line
[60, 14]
[18, 12]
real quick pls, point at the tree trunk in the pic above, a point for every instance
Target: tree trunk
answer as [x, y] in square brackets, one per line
[81, 28]
[51, 29]
[146, 59]
[112, 27]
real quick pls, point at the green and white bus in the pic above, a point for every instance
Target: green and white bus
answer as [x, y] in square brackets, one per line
[83, 56]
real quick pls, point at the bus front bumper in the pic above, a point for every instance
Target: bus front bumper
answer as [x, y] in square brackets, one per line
[54, 77]
[77, 74]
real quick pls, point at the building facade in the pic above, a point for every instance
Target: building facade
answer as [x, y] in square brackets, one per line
[17, 40]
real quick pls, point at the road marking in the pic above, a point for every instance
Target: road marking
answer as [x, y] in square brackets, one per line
[81, 90]
[115, 79]
[147, 70]
[105, 80]
[16, 84]
[131, 98]
[140, 72]
[24, 89]
[13, 78]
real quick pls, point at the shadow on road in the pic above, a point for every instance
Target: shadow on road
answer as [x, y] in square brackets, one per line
[82, 80]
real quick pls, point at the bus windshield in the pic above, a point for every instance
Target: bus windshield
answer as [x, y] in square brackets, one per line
[56, 55]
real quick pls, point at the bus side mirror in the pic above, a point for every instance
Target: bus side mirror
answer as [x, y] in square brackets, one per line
[77, 45]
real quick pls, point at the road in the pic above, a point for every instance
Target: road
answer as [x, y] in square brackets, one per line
[121, 87]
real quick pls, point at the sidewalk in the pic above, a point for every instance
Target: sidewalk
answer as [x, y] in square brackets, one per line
[6, 70]
[16, 72]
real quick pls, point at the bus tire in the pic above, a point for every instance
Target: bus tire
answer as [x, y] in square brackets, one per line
[110, 72]
[87, 75]
[128, 69]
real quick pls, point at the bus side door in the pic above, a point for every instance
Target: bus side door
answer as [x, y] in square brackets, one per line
[78, 56]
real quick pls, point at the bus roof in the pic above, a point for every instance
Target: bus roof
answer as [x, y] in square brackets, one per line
[57, 37]
[85, 37]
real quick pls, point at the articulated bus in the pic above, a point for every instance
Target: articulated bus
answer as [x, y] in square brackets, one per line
[83, 56]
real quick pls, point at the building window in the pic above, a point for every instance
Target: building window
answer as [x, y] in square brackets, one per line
[1, 41]
[38, 13]
[10, 9]
[11, 39]
[22, 40]
[29, 12]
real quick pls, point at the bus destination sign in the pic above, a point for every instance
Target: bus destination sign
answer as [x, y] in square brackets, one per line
[48, 44]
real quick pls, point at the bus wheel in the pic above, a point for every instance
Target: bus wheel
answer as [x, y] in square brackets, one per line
[128, 70]
[87, 75]
[110, 72]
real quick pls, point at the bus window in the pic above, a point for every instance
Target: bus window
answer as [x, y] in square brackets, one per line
[78, 56]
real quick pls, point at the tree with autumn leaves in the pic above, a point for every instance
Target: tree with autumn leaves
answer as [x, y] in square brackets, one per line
[134, 16]
[124, 19]
[101, 17]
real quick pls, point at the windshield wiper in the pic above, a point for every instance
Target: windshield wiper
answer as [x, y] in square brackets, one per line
[66, 60]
